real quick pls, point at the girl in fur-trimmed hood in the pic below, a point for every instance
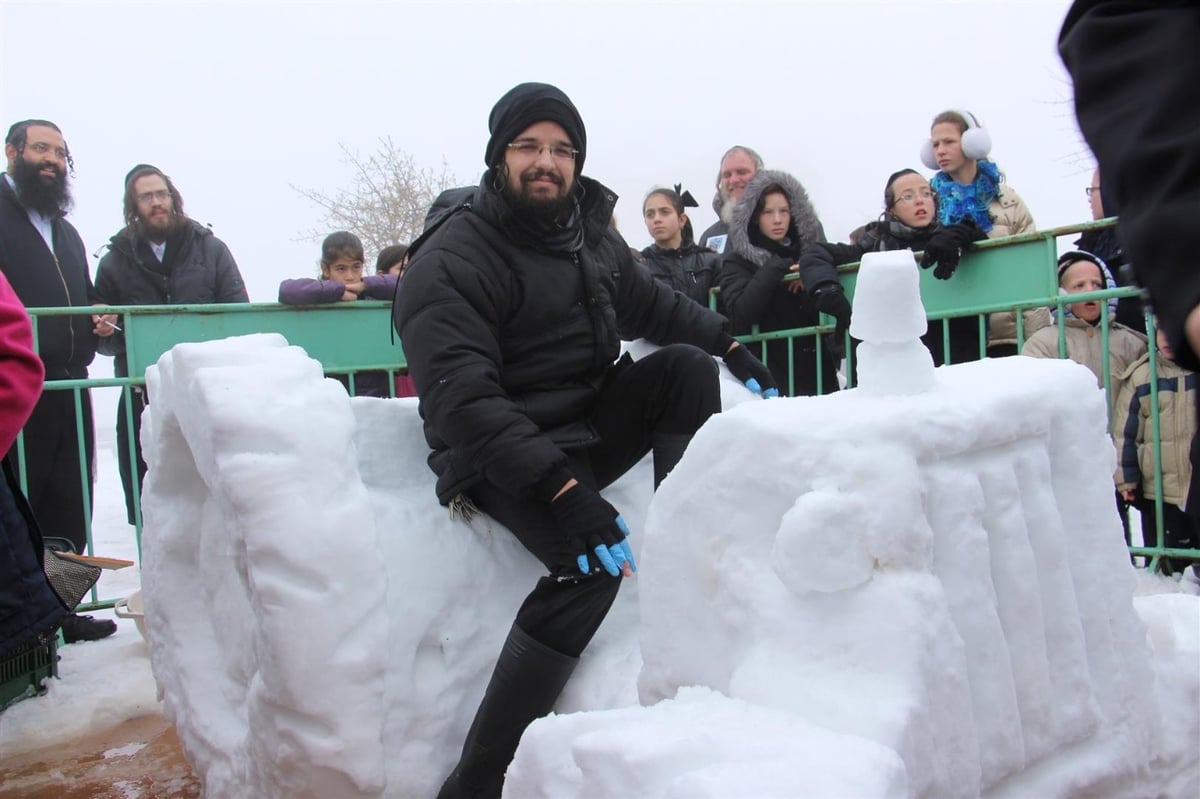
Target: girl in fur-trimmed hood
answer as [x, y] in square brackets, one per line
[749, 242]
[769, 228]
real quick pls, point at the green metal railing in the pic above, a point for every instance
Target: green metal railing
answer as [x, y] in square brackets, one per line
[346, 338]
[1015, 273]
[350, 338]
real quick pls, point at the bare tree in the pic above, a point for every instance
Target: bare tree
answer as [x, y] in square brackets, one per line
[386, 203]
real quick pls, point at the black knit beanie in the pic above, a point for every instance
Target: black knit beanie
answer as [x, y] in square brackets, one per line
[528, 104]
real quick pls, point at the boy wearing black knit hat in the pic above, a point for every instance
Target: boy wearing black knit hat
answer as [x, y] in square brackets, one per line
[511, 315]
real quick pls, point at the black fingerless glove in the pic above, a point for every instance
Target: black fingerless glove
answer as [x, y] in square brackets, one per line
[750, 370]
[590, 522]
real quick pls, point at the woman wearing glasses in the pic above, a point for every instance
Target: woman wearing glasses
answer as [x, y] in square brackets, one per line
[909, 221]
[969, 186]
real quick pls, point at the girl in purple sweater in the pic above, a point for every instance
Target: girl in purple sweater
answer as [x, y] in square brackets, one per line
[341, 276]
[342, 280]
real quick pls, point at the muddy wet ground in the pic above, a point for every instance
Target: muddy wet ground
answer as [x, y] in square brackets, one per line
[138, 759]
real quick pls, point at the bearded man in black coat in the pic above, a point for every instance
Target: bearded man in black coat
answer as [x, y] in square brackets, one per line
[511, 314]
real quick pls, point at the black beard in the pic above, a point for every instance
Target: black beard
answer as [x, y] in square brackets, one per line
[542, 209]
[49, 197]
[155, 233]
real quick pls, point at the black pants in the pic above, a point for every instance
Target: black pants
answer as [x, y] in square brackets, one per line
[1179, 532]
[126, 457]
[671, 392]
[55, 474]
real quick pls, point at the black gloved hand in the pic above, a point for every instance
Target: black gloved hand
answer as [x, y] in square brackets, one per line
[831, 299]
[817, 266]
[751, 372]
[946, 247]
[593, 526]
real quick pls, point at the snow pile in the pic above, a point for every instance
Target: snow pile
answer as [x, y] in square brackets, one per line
[901, 574]
[918, 595]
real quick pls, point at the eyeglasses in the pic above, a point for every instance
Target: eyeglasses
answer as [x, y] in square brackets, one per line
[41, 148]
[162, 195]
[1091, 189]
[909, 197]
[532, 150]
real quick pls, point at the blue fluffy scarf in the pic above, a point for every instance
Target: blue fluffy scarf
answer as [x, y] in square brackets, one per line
[957, 202]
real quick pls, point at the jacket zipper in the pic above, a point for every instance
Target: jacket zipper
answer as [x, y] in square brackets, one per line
[70, 319]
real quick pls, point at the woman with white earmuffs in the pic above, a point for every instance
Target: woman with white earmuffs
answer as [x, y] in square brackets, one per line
[971, 187]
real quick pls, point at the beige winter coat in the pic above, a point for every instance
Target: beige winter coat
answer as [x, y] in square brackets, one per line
[1010, 217]
[1134, 434]
[1084, 341]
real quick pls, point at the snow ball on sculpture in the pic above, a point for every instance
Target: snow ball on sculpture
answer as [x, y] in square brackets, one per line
[889, 319]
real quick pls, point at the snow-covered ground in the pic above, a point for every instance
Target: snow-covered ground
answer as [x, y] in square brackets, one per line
[856, 595]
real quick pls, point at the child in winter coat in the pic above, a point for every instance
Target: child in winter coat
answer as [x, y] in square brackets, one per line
[1078, 272]
[342, 280]
[1132, 427]
[771, 225]
[674, 257]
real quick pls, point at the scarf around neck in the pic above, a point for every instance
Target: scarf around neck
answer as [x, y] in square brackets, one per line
[957, 202]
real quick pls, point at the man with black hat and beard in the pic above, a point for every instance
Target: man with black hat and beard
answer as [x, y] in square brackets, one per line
[43, 258]
[160, 257]
[511, 315]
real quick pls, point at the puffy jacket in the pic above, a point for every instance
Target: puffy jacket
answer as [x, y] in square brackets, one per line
[198, 268]
[1084, 345]
[509, 337]
[1176, 424]
[691, 269]
[1011, 217]
[45, 279]
[752, 291]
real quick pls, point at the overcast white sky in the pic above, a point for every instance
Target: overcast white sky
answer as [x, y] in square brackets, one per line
[237, 100]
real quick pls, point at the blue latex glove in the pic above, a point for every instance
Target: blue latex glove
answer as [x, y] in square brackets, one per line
[594, 526]
[750, 370]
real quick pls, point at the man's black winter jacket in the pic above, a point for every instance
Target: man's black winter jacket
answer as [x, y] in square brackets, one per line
[44, 279]
[509, 341]
[198, 269]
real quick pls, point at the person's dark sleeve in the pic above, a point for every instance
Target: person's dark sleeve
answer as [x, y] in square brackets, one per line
[745, 291]
[230, 285]
[108, 291]
[818, 263]
[1135, 66]
[650, 309]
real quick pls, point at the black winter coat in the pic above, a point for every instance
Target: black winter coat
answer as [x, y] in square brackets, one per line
[197, 268]
[28, 605]
[691, 269]
[1134, 67]
[508, 340]
[752, 291]
[66, 344]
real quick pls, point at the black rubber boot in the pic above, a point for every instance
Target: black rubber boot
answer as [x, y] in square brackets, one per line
[668, 449]
[527, 680]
